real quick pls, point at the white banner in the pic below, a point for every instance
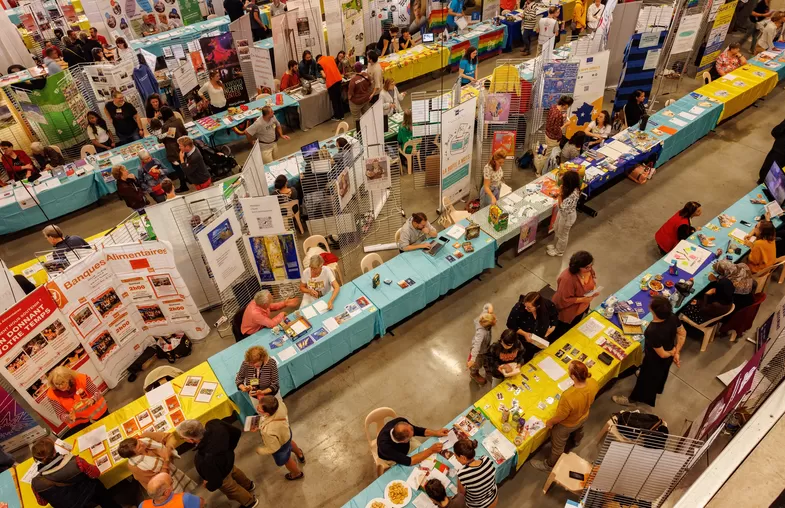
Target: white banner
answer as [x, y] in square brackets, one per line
[10, 292]
[686, 34]
[219, 246]
[490, 9]
[185, 77]
[263, 69]
[457, 142]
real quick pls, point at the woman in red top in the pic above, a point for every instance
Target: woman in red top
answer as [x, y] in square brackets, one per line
[334, 82]
[572, 296]
[17, 163]
[678, 227]
[290, 78]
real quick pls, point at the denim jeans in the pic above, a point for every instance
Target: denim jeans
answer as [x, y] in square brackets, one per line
[130, 138]
[527, 36]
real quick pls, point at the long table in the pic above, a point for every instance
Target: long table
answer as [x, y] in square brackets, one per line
[486, 37]
[8, 492]
[414, 62]
[156, 43]
[740, 88]
[219, 407]
[224, 134]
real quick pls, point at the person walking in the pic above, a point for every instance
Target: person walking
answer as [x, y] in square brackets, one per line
[124, 118]
[214, 459]
[66, 481]
[264, 130]
[548, 27]
[359, 94]
[481, 342]
[163, 495]
[664, 338]
[529, 26]
[568, 212]
[593, 15]
[571, 413]
[477, 478]
[277, 437]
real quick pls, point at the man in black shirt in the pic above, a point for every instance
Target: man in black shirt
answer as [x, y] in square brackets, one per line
[388, 43]
[758, 14]
[395, 442]
[234, 8]
[124, 118]
[193, 164]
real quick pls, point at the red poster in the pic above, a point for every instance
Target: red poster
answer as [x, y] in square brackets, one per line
[504, 140]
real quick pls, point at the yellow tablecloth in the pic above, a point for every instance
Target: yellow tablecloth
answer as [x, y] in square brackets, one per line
[740, 88]
[410, 66]
[220, 406]
[546, 387]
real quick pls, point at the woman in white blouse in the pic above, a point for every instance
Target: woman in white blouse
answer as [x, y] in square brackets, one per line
[98, 132]
[593, 15]
[213, 91]
[599, 129]
[391, 100]
[492, 179]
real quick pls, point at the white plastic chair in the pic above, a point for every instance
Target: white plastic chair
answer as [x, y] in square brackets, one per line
[706, 78]
[669, 102]
[342, 127]
[709, 328]
[57, 149]
[453, 214]
[288, 209]
[316, 241]
[378, 417]
[397, 236]
[415, 146]
[370, 261]
[87, 150]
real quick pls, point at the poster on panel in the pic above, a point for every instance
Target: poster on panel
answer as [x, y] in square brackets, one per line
[219, 246]
[221, 55]
[17, 427]
[457, 142]
[274, 257]
[589, 91]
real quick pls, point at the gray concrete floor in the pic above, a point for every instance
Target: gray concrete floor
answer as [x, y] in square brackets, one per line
[420, 372]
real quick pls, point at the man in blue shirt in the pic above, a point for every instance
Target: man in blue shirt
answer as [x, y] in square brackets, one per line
[454, 10]
[160, 490]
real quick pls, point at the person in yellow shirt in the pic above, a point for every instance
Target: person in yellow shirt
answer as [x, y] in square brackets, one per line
[578, 18]
[571, 414]
[764, 252]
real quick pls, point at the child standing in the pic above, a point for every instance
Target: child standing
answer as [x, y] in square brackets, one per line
[481, 342]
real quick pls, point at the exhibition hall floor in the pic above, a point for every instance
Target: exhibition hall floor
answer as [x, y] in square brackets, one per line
[421, 373]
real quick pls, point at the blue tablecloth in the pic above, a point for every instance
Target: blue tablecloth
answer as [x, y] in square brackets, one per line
[155, 44]
[133, 165]
[225, 134]
[306, 364]
[773, 65]
[514, 36]
[692, 132]
[8, 492]
[398, 472]
[621, 168]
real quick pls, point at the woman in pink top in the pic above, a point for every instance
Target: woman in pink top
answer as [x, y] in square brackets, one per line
[572, 287]
[257, 313]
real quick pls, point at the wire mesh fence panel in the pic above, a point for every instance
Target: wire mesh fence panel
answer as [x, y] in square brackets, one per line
[15, 126]
[771, 371]
[637, 466]
[426, 136]
[535, 133]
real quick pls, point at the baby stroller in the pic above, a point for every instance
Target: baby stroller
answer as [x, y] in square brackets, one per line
[219, 160]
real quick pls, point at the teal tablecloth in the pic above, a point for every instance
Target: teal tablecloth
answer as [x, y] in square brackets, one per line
[774, 64]
[155, 44]
[398, 472]
[306, 364]
[133, 165]
[224, 134]
[689, 134]
[8, 492]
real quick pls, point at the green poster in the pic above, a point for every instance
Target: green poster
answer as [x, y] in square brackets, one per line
[52, 109]
[190, 11]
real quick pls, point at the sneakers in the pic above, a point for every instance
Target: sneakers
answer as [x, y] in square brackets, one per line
[622, 400]
[551, 251]
[541, 465]
[253, 487]
[253, 504]
[479, 379]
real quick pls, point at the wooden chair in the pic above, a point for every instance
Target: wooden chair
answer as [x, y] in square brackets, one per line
[706, 78]
[451, 213]
[560, 473]
[342, 127]
[370, 261]
[378, 417]
[709, 328]
[88, 149]
[288, 208]
[409, 157]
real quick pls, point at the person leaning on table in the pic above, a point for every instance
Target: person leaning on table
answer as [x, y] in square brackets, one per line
[66, 481]
[258, 374]
[728, 61]
[317, 281]
[477, 478]
[768, 32]
[678, 227]
[439, 497]
[395, 442]
[416, 229]
[74, 398]
[257, 313]
[571, 413]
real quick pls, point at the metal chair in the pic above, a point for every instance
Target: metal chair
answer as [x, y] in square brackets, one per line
[87, 150]
[370, 261]
[709, 328]
[409, 157]
[378, 417]
[342, 127]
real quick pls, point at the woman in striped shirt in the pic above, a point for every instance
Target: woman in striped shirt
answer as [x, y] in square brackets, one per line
[258, 373]
[477, 479]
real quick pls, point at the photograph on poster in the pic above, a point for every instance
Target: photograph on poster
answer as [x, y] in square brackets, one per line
[38, 389]
[377, 173]
[73, 359]
[85, 320]
[151, 314]
[497, 108]
[53, 331]
[177, 417]
[114, 436]
[504, 140]
[103, 345]
[344, 187]
[106, 302]
[35, 345]
[144, 418]
[130, 427]
[220, 234]
[17, 363]
[162, 425]
[172, 403]
[162, 285]
[158, 411]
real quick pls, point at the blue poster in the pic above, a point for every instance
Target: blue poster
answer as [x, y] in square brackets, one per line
[559, 79]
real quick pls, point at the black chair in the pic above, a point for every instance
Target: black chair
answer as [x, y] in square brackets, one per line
[237, 322]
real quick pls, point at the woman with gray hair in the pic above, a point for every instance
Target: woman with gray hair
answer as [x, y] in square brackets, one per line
[317, 281]
[153, 174]
[45, 157]
[257, 313]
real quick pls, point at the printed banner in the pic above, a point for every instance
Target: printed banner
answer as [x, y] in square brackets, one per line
[220, 54]
[717, 35]
[497, 108]
[190, 11]
[528, 235]
[17, 427]
[589, 91]
[687, 33]
[263, 69]
[457, 142]
[219, 246]
[559, 79]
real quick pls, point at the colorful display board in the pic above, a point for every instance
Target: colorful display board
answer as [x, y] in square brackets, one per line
[220, 54]
[457, 142]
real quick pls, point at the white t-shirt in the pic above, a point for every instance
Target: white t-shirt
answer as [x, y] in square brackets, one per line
[593, 17]
[216, 95]
[605, 131]
[547, 28]
[102, 136]
[323, 284]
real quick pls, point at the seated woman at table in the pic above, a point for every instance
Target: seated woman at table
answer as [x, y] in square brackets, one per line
[715, 302]
[307, 68]
[153, 106]
[17, 163]
[599, 129]
[492, 178]
[634, 109]
[741, 277]
[573, 289]
[678, 227]
[258, 374]
[290, 78]
[152, 174]
[574, 147]
[290, 193]
[98, 132]
[504, 356]
[257, 314]
[439, 497]
[416, 229]
[213, 93]
[74, 398]
[318, 281]
[405, 41]
[533, 315]
[728, 61]
[763, 253]
[45, 157]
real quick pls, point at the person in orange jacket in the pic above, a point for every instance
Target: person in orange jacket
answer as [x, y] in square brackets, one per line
[74, 398]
